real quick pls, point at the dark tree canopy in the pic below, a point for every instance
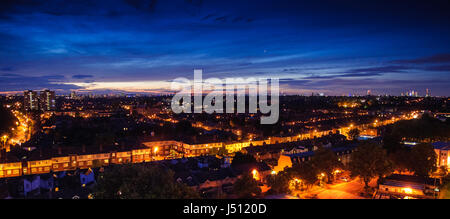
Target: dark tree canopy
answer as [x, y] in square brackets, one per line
[423, 159]
[246, 187]
[425, 128]
[141, 182]
[392, 142]
[401, 159]
[325, 161]
[369, 161]
[279, 183]
[354, 133]
[306, 172]
[7, 120]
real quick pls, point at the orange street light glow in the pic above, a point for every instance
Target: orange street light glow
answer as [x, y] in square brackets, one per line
[255, 174]
[407, 190]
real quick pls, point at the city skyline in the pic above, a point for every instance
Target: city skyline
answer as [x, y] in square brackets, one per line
[140, 46]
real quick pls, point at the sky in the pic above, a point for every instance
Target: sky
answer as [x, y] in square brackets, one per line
[331, 47]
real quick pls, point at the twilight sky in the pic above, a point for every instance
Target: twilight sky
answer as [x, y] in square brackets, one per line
[334, 47]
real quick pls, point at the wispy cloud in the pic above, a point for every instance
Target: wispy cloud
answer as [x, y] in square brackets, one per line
[435, 59]
[17, 82]
[82, 76]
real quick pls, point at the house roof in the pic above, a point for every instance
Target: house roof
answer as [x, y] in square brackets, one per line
[441, 145]
[49, 152]
[410, 180]
[301, 155]
[404, 185]
[260, 166]
[193, 178]
[311, 153]
[274, 148]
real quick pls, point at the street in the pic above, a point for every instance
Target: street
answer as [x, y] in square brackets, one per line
[344, 190]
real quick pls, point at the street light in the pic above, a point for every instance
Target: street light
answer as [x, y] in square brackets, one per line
[4, 138]
[321, 176]
[155, 150]
[255, 174]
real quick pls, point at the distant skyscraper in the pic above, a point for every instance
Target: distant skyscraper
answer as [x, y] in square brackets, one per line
[73, 95]
[413, 93]
[31, 101]
[47, 100]
[368, 92]
[428, 93]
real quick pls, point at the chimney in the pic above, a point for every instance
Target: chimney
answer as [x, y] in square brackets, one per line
[59, 150]
[83, 149]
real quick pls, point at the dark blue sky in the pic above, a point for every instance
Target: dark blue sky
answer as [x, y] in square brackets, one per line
[335, 47]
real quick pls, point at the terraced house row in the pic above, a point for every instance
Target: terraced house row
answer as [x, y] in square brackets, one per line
[48, 161]
[74, 161]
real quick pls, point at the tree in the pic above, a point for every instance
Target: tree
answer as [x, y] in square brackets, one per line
[279, 183]
[401, 159]
[246, 187]
[354, 133]
[423, 159]
[426, 128]
[392, 143]
[140, 182]
[307, 173]
[7, 120]
[369, 161]
[325, 161]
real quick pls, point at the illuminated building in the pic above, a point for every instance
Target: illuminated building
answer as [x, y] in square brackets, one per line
[343, 154]
[47, 100]
[73, 95]
[409, 186]
[442, 150]
[82, 159]
[10, 169]
[31, 101]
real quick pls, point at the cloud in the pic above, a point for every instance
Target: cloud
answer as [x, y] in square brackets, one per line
[341, 86]
[287, 39]
[7, 69]
[17, 82]
[294, 82]
[438, 68]
[144, 5]
[222, 18]
[363, 72]
[82, 76]
[439, 58]
[382, 69]
[208, 16]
